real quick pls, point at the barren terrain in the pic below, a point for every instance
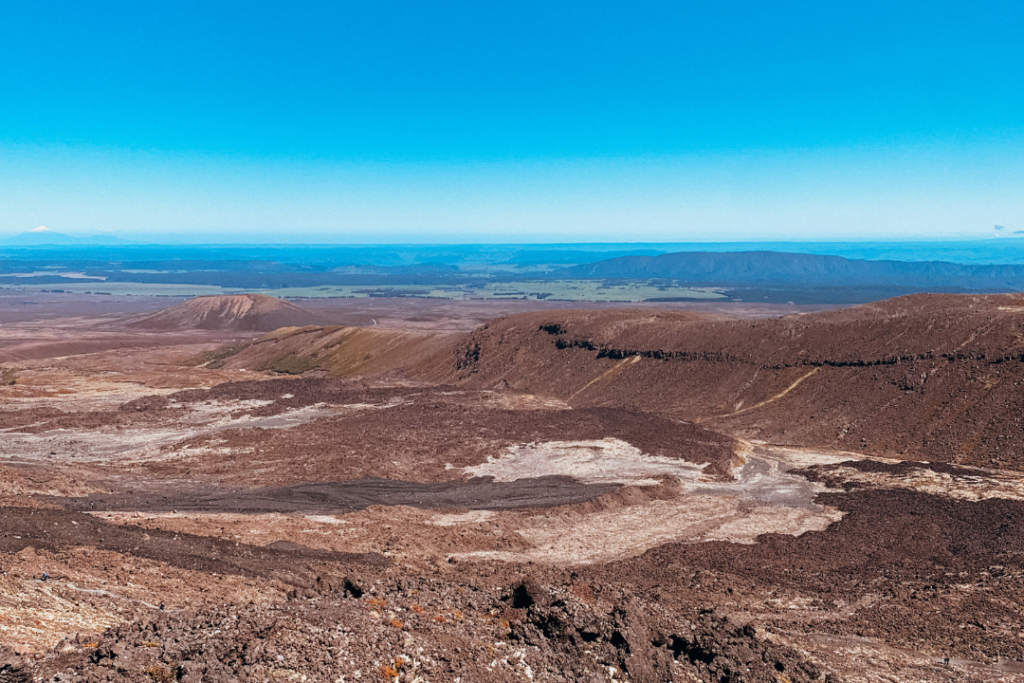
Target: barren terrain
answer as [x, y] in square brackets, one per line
[552, 495]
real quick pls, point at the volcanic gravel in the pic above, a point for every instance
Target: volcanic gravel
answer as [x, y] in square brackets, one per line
[943, 573]
[422, 628]
[905, 579]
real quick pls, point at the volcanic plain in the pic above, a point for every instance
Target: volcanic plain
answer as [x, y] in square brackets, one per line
[246, 489]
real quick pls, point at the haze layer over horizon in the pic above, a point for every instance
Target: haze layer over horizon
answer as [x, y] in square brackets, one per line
[578, 122]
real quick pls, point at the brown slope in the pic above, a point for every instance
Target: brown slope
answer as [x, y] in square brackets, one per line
[347, 351]
[934, 377]
[235, 312]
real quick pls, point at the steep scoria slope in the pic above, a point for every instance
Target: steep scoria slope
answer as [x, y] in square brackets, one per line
[235, 312]
[930, 377]
[346, 351]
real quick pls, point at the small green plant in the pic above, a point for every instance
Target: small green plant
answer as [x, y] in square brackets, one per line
[289, 365]
[214, 359]
[8, 377]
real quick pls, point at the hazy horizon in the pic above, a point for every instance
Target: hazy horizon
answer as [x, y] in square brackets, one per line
[108, 239]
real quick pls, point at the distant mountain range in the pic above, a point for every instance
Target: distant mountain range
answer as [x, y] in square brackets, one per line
[44, 237]
[766, 268]
[765, 273]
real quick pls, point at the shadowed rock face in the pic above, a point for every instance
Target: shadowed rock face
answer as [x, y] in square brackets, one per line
[237, 312]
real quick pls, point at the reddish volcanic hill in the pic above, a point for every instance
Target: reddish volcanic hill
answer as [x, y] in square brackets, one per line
[930, 377]
[237, 312]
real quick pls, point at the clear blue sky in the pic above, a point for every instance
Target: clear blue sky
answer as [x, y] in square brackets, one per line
[427, 121]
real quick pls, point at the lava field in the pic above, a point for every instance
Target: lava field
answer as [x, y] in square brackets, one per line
[553, 495]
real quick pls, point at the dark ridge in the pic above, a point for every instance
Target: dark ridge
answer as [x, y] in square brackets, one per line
[57, 530]
[765, 267]
[479, 493]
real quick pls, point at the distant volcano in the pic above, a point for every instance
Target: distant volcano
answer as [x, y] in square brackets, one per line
[240, 312]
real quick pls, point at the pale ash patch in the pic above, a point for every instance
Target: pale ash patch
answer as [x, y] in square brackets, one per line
[984, 485]
[602, 461]
[325, 519]
[762, 497]
[601, 537]
[471, 517]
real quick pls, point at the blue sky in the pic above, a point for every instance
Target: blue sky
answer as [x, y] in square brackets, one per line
[431, 122]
